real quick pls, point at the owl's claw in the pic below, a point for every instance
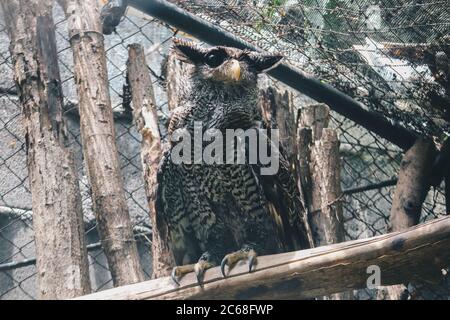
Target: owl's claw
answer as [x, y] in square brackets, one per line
[180, 271]
[198, 268]
[247, 252]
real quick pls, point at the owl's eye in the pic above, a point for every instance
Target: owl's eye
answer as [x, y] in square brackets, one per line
[215, 58]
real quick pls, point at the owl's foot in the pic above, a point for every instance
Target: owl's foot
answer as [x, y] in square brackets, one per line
[246, 252]
[199, 268]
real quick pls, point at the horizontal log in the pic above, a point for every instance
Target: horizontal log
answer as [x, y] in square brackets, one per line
[418, 252]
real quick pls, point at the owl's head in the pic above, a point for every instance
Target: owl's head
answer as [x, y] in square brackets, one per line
[226, 65]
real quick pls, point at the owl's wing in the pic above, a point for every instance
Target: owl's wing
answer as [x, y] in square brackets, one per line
[170, 207]
[285, 204]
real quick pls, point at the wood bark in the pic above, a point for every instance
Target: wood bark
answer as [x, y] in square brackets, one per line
[327, 220]
[61, 256]
[413, 184]
[145, 117]
[419, 252]
[99, 143]
[175, 70]
[322, 177]
[278, 112]
[304, 141]
[412, 187]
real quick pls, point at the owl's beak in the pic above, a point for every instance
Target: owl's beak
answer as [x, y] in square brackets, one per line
[234, 71]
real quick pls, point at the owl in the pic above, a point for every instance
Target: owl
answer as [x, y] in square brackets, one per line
[221, 213]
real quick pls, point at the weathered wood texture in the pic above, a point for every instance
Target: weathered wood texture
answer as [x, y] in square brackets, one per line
[61, 256]
[326, 177]
[322, 177]
[145, 117]
[319, 155]
[419, 252]
[99, 144]
[175, 70]
[413, 184]
[278, 112]
[412, 187]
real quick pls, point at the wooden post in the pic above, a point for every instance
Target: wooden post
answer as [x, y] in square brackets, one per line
[145, 117]
[278, 111]
[61, 256]
[413, 184]
[401, 256]
[327, 220]
[411, 190]
[174, 71]
[99, 143]
[319, 154]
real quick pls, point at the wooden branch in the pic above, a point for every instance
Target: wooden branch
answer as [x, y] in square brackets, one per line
[61, 256]
[145, 117]
[415, 253]
[413, 184]
[99, 143]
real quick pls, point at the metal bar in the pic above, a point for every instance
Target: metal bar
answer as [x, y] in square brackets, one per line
[383, 184]
[291, 76]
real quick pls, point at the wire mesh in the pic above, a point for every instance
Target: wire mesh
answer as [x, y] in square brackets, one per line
[317, 35]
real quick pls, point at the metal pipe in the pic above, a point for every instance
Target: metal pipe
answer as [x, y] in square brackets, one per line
[291, 76]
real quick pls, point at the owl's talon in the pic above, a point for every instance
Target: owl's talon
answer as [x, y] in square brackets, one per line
[174, 277]
[251, 262]
[179, 272]
[247, 252]
[222, 265]
[200, 267]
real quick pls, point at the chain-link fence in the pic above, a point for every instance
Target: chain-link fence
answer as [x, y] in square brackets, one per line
[328, 38]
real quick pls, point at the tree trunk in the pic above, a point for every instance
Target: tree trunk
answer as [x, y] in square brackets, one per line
[99, 143]
[401, 256]
[412, 188]
[328, 220]
[175, 71]
[322, 177]
[61, 256]
[145, 117]
[413, 184]
[278, 112]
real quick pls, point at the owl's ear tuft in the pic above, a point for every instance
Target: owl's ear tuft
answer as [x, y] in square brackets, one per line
[264, 63]
[187, 51]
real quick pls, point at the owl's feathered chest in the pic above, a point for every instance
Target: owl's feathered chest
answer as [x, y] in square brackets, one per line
[219, 106]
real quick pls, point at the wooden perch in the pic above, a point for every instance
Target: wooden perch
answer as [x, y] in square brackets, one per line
[99, 142]
[61, 256]
[145, 117]
[419, 252]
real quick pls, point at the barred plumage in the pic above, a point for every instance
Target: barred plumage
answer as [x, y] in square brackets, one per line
[212, 210]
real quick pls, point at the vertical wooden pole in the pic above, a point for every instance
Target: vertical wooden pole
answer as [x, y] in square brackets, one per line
[278, 111]
[327, 220]
[319, 158]
[144, 115]
[414, 182]
[99, 143]
[61, 256]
